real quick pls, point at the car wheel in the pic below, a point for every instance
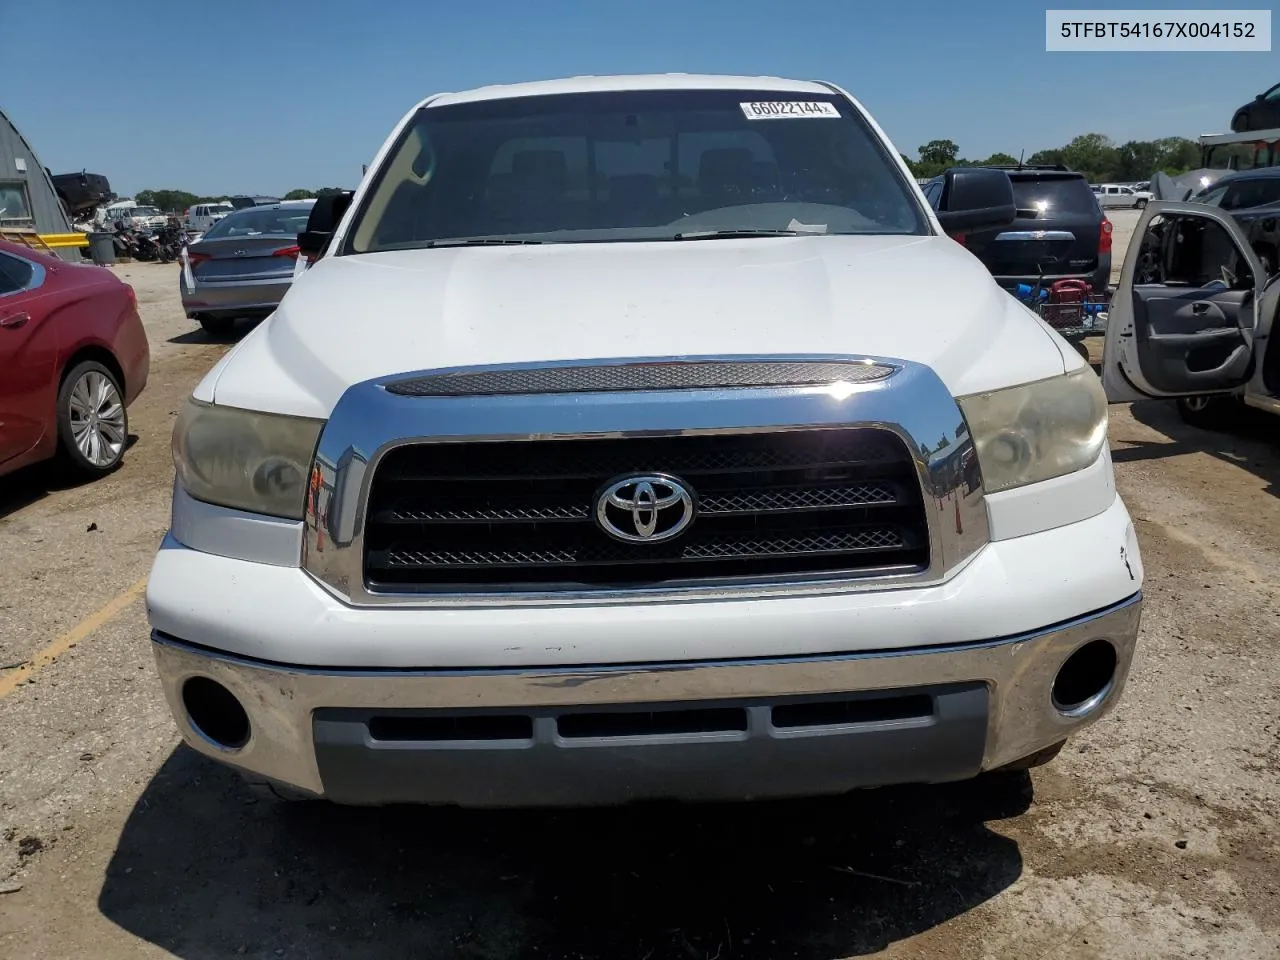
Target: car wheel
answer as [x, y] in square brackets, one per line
[93, 424]
[1240, 122]
[219, 327]
[1208, 413]
[1141, 204]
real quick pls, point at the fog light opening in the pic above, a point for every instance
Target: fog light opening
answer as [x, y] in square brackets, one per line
[1085, 679]
[215, 713]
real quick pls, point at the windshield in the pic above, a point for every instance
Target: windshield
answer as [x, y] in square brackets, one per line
[145, 212]
[259, 222]
[637, 165]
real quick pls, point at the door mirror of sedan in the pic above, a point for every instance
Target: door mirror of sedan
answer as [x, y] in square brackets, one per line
[325, 216]
[975, 198]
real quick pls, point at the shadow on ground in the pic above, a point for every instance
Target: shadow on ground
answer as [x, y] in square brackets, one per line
[1252, 442]
[32, 484]
[200, 335]
[203, 871]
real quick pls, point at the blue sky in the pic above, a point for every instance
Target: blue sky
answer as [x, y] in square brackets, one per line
[235, 96]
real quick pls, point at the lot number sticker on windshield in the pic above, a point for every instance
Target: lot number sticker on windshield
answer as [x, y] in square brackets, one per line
[788, 110]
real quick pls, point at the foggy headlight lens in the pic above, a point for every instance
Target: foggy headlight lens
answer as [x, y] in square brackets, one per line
[252, 461]
[1039, 430]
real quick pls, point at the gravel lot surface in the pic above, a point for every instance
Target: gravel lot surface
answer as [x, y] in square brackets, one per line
[1155, 834]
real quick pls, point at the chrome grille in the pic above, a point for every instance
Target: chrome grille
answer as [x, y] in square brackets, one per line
[519, 515]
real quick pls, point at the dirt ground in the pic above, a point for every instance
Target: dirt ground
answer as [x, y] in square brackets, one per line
[1154, 835]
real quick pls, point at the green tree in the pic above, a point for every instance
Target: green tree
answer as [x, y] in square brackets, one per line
[168, 201]
[942, 152]
[935, 157]
[999, 160]
[1176, 155]
[1136, 160]
[1045, 157]
[299, 194]
[1093, 154]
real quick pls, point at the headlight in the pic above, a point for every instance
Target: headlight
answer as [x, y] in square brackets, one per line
[245, 459]
[1039, 430]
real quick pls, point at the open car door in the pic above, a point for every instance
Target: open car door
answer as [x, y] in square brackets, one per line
[1182, 320]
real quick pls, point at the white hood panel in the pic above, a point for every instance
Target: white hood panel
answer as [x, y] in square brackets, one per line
[354, 318]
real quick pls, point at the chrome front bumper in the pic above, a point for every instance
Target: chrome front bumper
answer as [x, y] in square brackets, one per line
[992, 705]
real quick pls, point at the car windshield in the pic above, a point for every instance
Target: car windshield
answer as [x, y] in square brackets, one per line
[261, 222]
[1242, 194]
[146, 212]
[638, 165]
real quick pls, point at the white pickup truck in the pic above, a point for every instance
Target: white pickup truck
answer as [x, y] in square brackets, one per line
[643, 437]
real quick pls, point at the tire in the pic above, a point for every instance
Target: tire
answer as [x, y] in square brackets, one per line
[1037, 759]
[1208, 413]
[1082, 349]
[218, 327]
[1141, 204]
[1240, 122]
[93, 424]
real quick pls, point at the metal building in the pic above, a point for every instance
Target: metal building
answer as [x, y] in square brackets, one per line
[28, 202]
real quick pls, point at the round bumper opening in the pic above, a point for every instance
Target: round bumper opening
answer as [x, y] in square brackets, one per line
[215, 713]
[1085, 678]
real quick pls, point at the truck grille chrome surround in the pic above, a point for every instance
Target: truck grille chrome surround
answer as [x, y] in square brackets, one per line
[430, 499]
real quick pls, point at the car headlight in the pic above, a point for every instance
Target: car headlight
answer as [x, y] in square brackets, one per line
[1038, 430]
[245, 459]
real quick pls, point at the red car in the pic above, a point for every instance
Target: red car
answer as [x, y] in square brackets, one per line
[73, 356]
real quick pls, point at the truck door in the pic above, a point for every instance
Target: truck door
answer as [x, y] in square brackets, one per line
[1183, 317]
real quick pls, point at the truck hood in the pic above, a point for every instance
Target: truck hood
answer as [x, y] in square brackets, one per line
[354, 318]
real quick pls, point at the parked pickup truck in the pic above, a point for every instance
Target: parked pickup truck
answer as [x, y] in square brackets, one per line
[642, 437]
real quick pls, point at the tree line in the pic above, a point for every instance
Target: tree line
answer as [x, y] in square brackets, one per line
[175, 201]
[1092, 154]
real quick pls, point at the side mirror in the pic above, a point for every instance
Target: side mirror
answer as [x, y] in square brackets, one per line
[974, 198]
[324, 219]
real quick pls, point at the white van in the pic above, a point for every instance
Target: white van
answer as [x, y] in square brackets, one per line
[202, 216]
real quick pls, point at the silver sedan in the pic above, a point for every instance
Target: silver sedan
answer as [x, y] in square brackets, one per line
[243, 265]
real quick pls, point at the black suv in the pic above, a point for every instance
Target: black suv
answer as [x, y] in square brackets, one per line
[1059, 228]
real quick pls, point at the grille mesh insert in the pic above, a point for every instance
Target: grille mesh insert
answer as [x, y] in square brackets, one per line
[518, 516]
[606, 378]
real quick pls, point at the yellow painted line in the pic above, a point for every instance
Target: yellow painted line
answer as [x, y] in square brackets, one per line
[65, 641]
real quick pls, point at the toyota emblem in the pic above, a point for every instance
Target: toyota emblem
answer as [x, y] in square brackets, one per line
[647, 508]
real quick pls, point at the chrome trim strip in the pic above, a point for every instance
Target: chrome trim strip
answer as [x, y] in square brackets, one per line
[625, 376]
[368, 421]
[1036, 235]
[1018, 671]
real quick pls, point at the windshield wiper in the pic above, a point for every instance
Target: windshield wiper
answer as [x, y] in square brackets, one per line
[718, 234]
[477, 242]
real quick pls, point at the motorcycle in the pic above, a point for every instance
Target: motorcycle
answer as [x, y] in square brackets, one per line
[139, 245]
[171, 239]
